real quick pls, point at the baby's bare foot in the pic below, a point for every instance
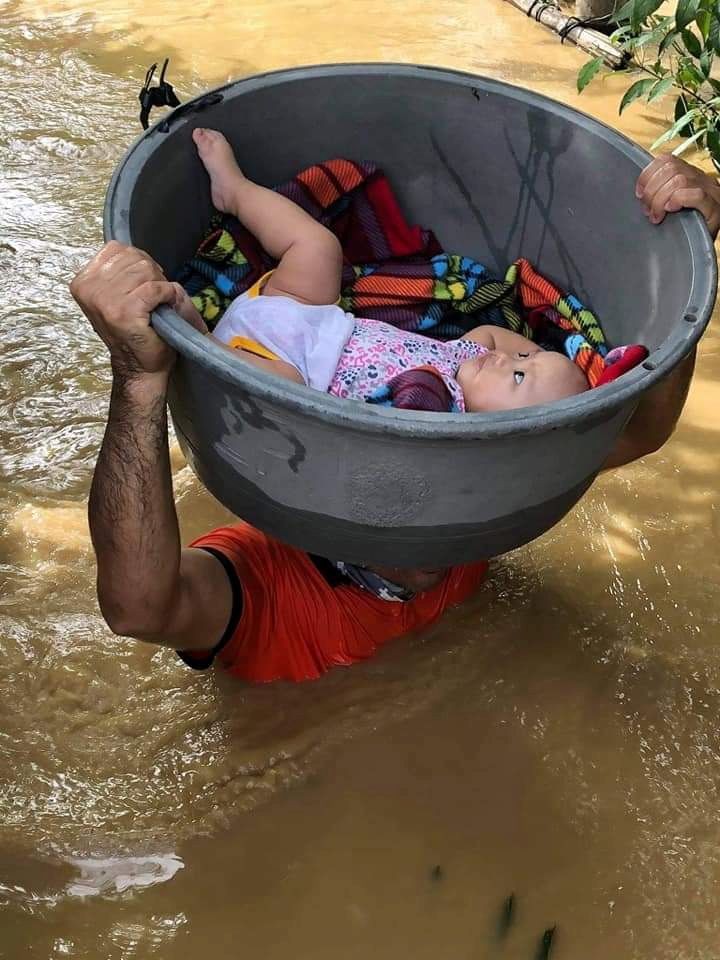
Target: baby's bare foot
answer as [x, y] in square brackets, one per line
[219, 161]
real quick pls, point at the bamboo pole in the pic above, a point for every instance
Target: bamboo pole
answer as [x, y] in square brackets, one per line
[592, 41]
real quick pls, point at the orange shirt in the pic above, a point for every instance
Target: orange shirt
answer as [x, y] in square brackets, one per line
[294, 624]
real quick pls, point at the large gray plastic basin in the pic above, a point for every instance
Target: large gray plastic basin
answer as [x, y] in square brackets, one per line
[498, 172]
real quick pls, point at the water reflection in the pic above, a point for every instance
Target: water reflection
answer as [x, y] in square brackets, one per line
[115, 875]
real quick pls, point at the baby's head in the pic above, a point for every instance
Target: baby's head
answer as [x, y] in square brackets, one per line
[504, 381]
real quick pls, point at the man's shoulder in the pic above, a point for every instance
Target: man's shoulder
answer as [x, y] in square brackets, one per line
[233, 533]
[245, 544]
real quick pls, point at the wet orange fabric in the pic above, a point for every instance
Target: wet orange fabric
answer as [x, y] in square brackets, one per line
[296, 626]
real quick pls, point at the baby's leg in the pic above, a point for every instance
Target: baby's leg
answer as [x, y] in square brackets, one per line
[310, 256]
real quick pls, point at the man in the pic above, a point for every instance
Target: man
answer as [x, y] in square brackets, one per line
[266, 610]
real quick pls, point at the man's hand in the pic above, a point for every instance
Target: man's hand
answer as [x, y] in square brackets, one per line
[117, 291]
[669, 184]
[666, 185]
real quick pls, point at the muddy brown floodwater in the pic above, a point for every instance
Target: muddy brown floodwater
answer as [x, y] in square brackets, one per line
[557, 739]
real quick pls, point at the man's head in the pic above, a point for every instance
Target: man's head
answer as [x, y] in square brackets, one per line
[504, 381]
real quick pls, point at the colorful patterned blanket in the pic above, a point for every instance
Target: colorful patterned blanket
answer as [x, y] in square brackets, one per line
[398, 273]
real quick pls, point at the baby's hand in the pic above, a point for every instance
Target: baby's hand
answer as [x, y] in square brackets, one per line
[186, 308]
[669, 184]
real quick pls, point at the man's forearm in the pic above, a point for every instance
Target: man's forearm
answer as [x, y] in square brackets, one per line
[133, 523]
[655, 418]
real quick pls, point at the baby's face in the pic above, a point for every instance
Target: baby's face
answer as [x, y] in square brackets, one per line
[504, 381]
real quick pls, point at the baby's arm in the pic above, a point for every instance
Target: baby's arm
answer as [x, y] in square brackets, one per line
[497, 338]
[310, 256]
[186, 308]
[278, 368]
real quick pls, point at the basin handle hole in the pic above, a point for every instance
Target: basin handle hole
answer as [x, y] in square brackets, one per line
[690, 317]
[648, 365]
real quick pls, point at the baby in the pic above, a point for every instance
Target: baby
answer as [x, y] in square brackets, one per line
[289, 322]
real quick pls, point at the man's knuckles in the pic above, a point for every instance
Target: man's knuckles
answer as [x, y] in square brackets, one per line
[680, 181]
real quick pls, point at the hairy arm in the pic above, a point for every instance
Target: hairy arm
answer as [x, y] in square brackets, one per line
[147, 586]
[666, 185]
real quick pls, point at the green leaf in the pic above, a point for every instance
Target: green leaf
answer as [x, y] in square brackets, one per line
[637, 90]
[664, 26]
[642, 9]
[713, 39]
[624, 13]
[703, 20]
[706, 59]
[686, 12]
[648, 7]
[690, 75]
[659, 70]
[675, 129]
[688, 143]
[666, 41]
[658, 32]
[692, 44]
[681, 107]
[587, 72]
[644, 38]
[661, 87]
[637, 12]
[715, 84]
[713, 143]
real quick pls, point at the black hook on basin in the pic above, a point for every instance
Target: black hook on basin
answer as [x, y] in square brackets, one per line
[162, 95]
